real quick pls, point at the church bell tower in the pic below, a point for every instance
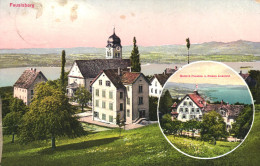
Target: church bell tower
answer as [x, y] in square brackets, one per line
[114, 48]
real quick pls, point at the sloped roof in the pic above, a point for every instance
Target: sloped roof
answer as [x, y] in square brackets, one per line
[197, 99]
[233, 110]
[129, 77]
[91, 68]
[162, 78]
[244, 76]
[27, 78]
[114, 78]
[119, 80]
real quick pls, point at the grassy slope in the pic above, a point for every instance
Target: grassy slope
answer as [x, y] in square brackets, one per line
[144, 146]
[200, 148]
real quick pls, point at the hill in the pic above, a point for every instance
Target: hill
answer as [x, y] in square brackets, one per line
[143, 146]
[239, 47]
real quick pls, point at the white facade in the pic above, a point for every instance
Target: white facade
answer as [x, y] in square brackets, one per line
[131, 101]
[155, 89]
[188, 109]
[106, 99]
[26, 94]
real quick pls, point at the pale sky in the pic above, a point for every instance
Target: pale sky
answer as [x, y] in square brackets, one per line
[205, 69]
[88, 23]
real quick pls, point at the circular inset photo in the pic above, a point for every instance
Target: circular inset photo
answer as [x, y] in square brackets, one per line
[205, 110]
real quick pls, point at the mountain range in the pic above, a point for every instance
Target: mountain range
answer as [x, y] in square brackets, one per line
[240, 47]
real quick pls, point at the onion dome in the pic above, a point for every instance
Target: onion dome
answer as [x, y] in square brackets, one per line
[114, 40]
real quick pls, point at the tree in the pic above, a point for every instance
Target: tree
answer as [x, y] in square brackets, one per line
[165, 102]
[243, 122]
[153, 101]
[50, 115]
[135, 58]
[82, 96]
[192, 125]
[13, 119]
[213, 127]
[255, 74]
[170, 126]
[188, 46]
[62, 75]
[120, 123]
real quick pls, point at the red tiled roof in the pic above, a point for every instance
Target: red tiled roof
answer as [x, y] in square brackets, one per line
[244, 76]
[174, 113]
[129, 77]
[27, 78]
[197, 99]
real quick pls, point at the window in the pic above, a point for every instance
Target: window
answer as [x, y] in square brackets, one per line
[103, 116]
[31, 92]
[198, 110]
[121, 95]
[103, 93]
[128, 113]
[190, 103]
[128, 88]
[107, 83]
[151, 90]
[110, 118]
[155, 91]
[100, 82]
[111, 106]
[183, 116]
[103, 104]
[128, 101]
[96, 114]
[97, 92]
[140, 100]
[40, 77]
[140, 88]
[186, 110]
[97, 103]
[111, 95]
[192, 110]
[155, 83]
[181, 109]
[160, 92]
[185, 103]
[121, 106]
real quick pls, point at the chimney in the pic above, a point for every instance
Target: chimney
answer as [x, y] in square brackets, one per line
[129, 69]
[196, 92]
[119, 71]
[221, 103]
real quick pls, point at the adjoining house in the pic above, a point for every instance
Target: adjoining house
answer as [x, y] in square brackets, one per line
[157, 83]
[24, 86]
[83, 72]
[248, 79]
[193, 106]
[119, 92]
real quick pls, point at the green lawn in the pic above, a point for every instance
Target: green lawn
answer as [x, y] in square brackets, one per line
[143, 146]
[201, 148]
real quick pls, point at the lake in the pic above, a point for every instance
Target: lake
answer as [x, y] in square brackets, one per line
[8, 76]
[212, 92]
